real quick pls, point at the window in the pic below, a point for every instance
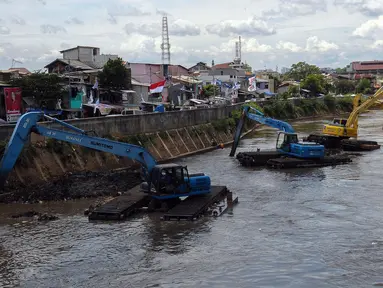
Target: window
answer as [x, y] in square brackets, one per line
[221, 72]
[95, 51]
[231, 76]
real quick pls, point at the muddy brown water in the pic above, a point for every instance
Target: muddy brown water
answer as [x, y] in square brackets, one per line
[299, 228]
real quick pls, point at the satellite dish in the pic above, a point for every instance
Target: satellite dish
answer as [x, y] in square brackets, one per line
[68, 68]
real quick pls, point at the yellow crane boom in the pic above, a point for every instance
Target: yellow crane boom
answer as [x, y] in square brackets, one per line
[349, 128]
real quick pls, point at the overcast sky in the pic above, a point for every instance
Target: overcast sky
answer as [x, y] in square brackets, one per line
[328, 33]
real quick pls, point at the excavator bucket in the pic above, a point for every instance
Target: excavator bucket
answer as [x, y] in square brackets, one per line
[238, 131]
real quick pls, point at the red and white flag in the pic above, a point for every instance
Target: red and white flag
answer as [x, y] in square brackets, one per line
[157, 87]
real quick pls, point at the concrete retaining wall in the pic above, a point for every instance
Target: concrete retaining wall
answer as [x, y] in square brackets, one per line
[137, 124]
[48, 160]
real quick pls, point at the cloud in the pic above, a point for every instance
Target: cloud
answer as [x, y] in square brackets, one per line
[127, 10]
[74, 20]
[378, 44]
[371, 8]
[42, 2]
[64, 45]
[177, 28]
[51, 29]
[371, 28]
[288, 46]
[162, 12]
[250, 27]
[249, 45]
[17, 20]
[49, 56]
[4, 30]
[288, 8]
[314, 44]
[183, 28]
[112, 19]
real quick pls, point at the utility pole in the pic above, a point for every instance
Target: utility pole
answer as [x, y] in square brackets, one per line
[212, 67]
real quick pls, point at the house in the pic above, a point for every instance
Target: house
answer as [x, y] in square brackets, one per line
[141, 89]
[80, 66]
[284, 87]
[21, 71]
[153, 73]
[78, 59]
[200, 66]
[225, 72]
[148, 73]
[7, 75]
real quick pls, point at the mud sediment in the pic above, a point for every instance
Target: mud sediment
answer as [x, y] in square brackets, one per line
[74, 186]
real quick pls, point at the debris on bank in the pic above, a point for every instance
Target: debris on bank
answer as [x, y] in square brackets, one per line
[74, 186]
[36, 215]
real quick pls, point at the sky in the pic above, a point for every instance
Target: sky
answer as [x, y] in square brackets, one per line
[275, 33]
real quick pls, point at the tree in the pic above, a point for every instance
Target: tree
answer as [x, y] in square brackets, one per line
[293, 90]
[344, 86]
[208, 90]
[364, 86]
[315, 83]
[115, 75]
[44, 88]
[247, 68]
[301, 70]
[340, 70]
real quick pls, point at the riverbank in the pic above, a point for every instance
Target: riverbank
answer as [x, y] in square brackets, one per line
[50, 170]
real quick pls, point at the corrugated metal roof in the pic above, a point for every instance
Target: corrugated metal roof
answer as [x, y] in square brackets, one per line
[74, 63]
[137, 83]
[186, 79]
[77, 47]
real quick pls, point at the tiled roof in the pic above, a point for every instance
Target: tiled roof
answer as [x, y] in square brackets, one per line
[222, 66]
[20, 70]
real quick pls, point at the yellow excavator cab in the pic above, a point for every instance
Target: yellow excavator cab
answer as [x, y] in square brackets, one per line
[338, 127]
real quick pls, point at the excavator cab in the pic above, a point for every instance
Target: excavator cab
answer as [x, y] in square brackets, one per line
[170, 179]
[285, 140]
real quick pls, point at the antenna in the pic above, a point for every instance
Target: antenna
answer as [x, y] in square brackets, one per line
[165, 46]
[240, 49]
[15, 61]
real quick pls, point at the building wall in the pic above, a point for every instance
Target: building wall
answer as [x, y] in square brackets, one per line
[71, 54]
[102, 59]
[139, 124]
[82, 54]
[141, 90]
[176, 70]
[146, 73]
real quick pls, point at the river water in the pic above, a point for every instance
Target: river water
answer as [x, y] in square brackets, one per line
[301, 228]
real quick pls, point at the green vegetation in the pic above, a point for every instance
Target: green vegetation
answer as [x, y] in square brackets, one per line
[208, 90]
[301, 70]
[139, 139]
[115, 75]
[44, 88]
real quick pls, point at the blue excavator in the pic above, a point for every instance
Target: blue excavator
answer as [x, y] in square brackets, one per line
[287, 141]
[161, 181]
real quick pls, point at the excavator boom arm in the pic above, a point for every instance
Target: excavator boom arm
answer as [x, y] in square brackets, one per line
[28, 123]
[353, 118]
[259, 117]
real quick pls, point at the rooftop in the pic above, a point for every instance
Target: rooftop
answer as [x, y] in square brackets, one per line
[21, 70]
[74, 48]
[76, 64]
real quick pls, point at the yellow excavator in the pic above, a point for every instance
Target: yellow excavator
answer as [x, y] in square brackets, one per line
[338, 133]
[345, 128]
